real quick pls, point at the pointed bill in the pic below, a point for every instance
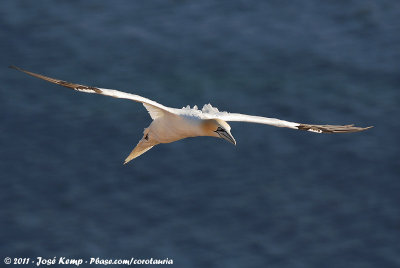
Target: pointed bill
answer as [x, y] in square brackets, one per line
[226, 135]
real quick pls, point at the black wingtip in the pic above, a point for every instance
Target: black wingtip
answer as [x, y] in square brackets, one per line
[15, 68]
[332, 128]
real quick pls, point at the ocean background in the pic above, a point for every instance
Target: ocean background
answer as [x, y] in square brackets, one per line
[280, 198]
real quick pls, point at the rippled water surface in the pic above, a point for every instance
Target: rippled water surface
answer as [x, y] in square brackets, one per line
[280, 198]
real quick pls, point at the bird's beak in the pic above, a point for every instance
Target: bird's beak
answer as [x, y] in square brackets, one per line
[226, 135]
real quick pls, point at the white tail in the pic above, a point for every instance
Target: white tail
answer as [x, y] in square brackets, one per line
[142, 147]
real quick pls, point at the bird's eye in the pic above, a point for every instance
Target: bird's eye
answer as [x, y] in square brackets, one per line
[219, 129]
[146, 137]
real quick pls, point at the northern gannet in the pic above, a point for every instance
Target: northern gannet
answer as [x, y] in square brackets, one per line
[172, 124]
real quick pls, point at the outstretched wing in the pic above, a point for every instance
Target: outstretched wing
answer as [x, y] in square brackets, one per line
[282, 123]
[155, 109]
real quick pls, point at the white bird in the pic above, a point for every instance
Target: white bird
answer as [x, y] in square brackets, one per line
[171, 124]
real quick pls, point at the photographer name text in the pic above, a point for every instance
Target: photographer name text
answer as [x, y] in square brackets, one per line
[40, 261]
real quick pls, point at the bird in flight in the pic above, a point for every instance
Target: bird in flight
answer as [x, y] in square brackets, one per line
[172, 124]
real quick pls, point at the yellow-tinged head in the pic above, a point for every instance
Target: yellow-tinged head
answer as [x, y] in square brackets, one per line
[218, 128]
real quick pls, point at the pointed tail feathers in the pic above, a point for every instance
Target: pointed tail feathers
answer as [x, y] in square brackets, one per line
[142, 147]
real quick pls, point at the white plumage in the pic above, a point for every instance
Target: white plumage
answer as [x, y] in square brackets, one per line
[171, 124]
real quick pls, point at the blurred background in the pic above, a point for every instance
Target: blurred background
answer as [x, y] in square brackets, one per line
[280, 198]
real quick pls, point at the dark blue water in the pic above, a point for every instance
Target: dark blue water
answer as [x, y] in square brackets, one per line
[280, 198]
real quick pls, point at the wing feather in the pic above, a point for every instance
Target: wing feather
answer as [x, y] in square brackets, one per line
[282, 123]
[150, 105]
[157, 110]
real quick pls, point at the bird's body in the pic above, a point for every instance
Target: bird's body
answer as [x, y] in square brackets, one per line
[171, 124]
[173, 128]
